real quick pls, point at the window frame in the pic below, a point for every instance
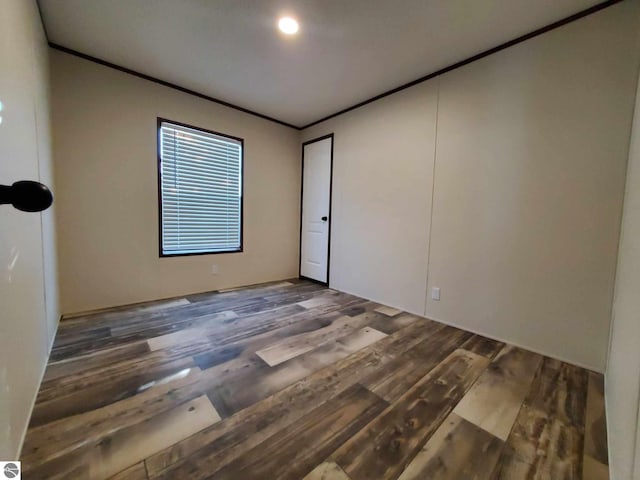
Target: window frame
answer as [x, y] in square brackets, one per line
[160, 121]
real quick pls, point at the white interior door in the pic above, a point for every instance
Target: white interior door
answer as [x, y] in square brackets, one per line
[316, 207]
[23, 333]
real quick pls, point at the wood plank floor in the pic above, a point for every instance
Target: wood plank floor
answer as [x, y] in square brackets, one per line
[291, 380]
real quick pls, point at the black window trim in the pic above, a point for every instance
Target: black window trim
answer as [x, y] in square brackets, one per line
[159, 167]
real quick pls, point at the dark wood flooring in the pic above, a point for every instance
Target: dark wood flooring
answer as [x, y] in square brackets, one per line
[292, 380]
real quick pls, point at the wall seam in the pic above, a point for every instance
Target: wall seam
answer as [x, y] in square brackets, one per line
[34, 73]
[433, 188]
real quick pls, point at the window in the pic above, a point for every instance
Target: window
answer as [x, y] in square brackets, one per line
[200, 190]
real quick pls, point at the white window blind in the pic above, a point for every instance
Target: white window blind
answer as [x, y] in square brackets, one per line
[201, 191]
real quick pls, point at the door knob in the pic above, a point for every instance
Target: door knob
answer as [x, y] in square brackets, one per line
[324, 219]
[26, 196]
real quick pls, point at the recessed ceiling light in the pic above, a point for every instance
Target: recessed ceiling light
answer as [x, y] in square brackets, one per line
[288, 25]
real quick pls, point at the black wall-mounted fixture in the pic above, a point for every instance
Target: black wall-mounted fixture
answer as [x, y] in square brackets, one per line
[26, 196]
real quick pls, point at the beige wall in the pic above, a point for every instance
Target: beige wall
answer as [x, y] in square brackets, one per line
[28, 278]
[106, 171]
[623, 367]
[530, 157]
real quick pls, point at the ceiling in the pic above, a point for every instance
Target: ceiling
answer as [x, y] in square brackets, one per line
[347, 51]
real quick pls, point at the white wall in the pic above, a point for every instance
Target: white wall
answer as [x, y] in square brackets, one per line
[28, 285]
[623, 368]
[383, 162]
[104, 140]
[45, 170]
[530, 168]
[530, 156]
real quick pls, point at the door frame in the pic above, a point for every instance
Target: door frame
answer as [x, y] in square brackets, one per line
[324, 137]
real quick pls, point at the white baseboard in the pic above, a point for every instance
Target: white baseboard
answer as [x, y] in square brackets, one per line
[35, 396]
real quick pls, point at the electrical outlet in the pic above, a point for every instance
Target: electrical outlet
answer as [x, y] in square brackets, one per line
[435, 293]
[214, 269]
